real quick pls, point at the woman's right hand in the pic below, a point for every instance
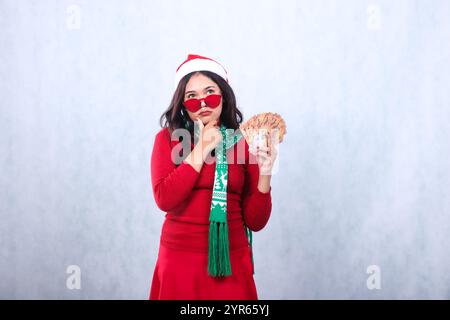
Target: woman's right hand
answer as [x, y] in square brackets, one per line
[209, 136]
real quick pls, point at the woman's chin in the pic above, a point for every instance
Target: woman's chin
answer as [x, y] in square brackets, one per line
[206, 119]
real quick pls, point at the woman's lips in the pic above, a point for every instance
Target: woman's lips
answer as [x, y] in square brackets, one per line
[205, 113]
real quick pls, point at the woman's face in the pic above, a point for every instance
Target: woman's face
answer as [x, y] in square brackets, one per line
[200, 86]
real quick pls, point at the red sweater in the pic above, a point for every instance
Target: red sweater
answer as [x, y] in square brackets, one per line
[185, 195]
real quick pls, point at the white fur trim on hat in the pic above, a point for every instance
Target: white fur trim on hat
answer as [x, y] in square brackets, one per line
[199, 64]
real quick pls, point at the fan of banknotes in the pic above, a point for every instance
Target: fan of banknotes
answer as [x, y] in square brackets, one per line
[263, 129]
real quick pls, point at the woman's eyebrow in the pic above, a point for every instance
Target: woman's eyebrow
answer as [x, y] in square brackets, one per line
[206, 88]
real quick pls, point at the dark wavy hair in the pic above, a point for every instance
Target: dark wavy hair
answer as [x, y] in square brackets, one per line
[176, 116]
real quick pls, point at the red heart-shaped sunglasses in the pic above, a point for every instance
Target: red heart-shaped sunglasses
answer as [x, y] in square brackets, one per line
[212, 101]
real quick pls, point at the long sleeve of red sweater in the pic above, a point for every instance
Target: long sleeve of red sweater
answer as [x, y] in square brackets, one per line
[257, 205]
[171, 184]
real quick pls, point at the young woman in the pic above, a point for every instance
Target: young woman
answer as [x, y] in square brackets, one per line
[214, 195]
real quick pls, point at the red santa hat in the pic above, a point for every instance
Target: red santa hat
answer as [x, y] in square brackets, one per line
[195, 62]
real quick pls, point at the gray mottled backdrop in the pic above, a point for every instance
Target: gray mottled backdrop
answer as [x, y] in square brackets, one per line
[360, 201]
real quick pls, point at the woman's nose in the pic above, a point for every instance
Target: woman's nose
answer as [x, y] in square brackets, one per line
[202, 104]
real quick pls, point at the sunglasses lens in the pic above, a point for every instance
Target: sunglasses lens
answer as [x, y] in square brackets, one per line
[213, 100]
[193, 105]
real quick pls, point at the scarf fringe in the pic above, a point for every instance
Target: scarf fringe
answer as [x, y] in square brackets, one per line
[219, 251]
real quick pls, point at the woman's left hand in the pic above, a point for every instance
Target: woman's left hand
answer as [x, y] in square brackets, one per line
[265, 156]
